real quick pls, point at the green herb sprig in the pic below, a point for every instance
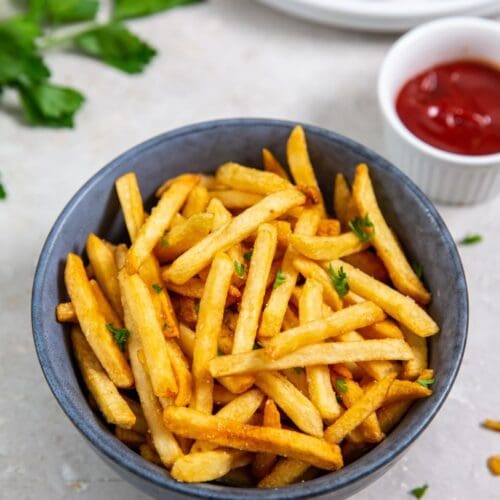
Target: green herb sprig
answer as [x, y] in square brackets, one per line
[341, 385]
[120, 335]
[280, 279]
[157, 288]
[239, 268]
[339, 280]
[425, 382]
[471, 239]
[420, 491]
[360, 225]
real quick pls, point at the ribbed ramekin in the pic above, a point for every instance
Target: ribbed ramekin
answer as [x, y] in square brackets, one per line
[443, 176]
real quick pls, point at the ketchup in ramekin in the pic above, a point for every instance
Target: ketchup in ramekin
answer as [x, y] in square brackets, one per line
[454, 107]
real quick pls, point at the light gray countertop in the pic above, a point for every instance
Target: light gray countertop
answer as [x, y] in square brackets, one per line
[219, 59]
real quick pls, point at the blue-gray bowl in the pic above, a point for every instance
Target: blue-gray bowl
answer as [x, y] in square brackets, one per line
[202, 147]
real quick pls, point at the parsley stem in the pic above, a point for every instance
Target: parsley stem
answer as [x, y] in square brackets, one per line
[65, 35]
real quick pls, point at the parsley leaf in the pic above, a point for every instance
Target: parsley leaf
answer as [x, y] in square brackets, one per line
[3, 193]
[239, 268]
[71, 11]
[420, 491]
[137, 8]
[248, 255]
[339, 280]
[419, 270]
[358, 226]
[471, 239]
[50, 105]
[120, 334]
[164, 241]
[157, 288]
[341, 385]
[115, 45]
[425, 383]
[280, 279]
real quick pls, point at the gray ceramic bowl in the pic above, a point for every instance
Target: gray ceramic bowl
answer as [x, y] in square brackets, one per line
[203, 147]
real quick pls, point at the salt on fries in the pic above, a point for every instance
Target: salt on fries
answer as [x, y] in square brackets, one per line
[266, 309]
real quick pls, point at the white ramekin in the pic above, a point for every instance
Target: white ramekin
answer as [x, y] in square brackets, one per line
[443, 176]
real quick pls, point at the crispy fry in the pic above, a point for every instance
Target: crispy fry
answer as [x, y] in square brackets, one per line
[327, 247]
[223, 396]
[390, 415]
[182, 373]
[494, 465]
[343, 202]
[234, 199]
[104, 306]
[140, 426]
[271, 164]
[149, 453]
[386, 329]
[287, 471]
[317, 354]
[159, 220]
[198, 256]
[65, 313]
[130, 198]
[111, 404]
[129, 437]
[402, 390]
[264, 462]
[196, 202]
[400, 307]
[328, 227]
[418, 345]
[369, 263]
[221, 214]
[197, 425]
[250, 179]
[207, 329]
[338, 323]
[93, 323]
[494, 425]
[384, 240]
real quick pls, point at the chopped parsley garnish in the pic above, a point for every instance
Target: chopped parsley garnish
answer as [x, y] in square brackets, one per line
[239, 268]
[280, 279]
[419, 270]
[157, 288]
[164, 241]
[425, 383]
[358, 225]
[341, 385]
[339, 280]
[248, 255]
[471, 239]
[3, 193]
[420, 491]
[120, 334]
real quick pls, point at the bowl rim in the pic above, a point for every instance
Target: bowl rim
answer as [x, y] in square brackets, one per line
[410, 41]
[130, 460]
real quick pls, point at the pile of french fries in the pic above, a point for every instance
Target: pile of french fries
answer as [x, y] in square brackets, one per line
[244, 335]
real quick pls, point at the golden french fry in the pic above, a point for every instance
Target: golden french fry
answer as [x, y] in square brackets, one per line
[264, 462]
[271, 164]
[104, 306]
[223, 396]
[328, 227]
[182, 373]
[390, 415]
[196, 202]
[274, 312]
[343, 202]
[400, 307]
[129, 437]
[197, 257]
[402, 390]
[494, 465]
[111, 404]
[65, 313]
[297, 376]
[158, 222]
[210, 182]
[312, 332]
[106, 272]
[149, 453]
[298, 408]
[250, 179]
[140, 426]
[369, 263]
[130, 198]
[186, 340]
[221, 214]
[207, 329]
[143, 316]
[287, 471]
[494, 425]
[183, 236]
[299, 162]
[386, 329]
[318, 354]
[319, 385]
[371, 400]
[234, 199]
[93, 323]
[413, 367]
[384, 240]
[208, 465]
[197, 425]
[327, 247]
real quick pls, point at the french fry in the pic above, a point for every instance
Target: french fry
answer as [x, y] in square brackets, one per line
[418, 345]
[250, 180]
[327, 247]
[287, 471]
[400, 307]
[264, 462]
[221, 214]
[318, 354]
[111, 404]
[149, 453]
[182, 373]
[196, 202]
[402, 390]
[65, 313]
[191, 423]
[343, 202]
[158, 222]
[493, 425]
[223, 396]
[106, 272]
[143, 316]
[207, 329]
[183, 236]
[369, 263]
[328, 227]
[274, 311]
[130, 198]
[290, 320]
[386, 329]
[338, 323]
[140, 426]
[494, 465]
[197, 257]
[271, 164]
[186, 340]
[371, 400]
[208, 465]
[129, 437]
[104, 306]
[299, 162]
[297, 376]
[253, 297]
[234, 199]
[93, 323]
[384, 240]
[298, 408]
[319, 385]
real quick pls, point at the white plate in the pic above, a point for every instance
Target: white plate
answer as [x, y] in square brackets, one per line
[382, 15]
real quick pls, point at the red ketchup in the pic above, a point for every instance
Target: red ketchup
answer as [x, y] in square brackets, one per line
[455, 107]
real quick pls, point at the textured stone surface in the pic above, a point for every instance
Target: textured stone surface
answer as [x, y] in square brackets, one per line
[221, 59]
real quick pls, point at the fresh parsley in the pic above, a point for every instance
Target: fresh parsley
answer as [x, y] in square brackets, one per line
[418, 269]
[120, 334]
[471, 239]
[425, 383]
[341, 385]
[125, 9]
[420, 491]
[3, 193]
[248, 255]
[339, 280]
[157, 288]
[280, 279]
[239, 268]
[359, 226]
